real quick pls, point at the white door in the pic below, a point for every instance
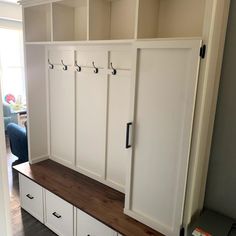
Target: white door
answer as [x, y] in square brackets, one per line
[62, 107]
[166, 84]
[91, 113]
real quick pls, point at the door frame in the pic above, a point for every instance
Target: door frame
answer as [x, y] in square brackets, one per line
[5, 219]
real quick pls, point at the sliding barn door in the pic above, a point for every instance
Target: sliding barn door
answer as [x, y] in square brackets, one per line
[165, 92]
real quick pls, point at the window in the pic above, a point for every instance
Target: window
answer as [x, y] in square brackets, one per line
[12, 63]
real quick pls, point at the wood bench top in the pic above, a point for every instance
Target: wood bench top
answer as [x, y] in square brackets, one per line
[96, 199]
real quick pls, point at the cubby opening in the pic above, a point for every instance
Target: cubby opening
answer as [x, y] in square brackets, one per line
[70, 20]
[38, 23]
[112, 19]
[170, 18]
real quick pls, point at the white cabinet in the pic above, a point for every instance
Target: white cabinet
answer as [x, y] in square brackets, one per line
[62, 106]
[164, 104]
[59, 215]
[87, 225]
[31, 197]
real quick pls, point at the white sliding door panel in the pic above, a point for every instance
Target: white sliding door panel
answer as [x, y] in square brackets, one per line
[62, 115]
[166, 87]
[91, 110]
[118, 116]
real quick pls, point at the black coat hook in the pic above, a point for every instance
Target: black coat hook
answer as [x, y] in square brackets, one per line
[51, 66]
[78, 69]
[96, 69]
[65, 67]
[114, 71]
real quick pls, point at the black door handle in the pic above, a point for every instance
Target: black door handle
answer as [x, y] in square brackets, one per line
[127, 145]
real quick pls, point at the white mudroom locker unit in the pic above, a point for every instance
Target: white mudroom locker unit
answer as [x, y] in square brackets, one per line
[124, 92]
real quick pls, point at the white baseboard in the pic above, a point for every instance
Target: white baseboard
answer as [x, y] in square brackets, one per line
[38, 159]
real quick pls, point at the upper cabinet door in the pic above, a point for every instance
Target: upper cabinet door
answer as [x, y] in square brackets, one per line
[166, 85]
[62, 106]
[91, 112]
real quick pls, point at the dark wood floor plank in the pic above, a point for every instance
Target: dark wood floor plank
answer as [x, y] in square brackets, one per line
[96, 199]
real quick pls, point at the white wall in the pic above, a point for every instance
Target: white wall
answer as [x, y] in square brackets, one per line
[10, 17]
[10, 11]
[5, 226]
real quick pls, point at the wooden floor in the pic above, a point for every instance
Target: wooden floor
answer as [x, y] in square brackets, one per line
[23, 224]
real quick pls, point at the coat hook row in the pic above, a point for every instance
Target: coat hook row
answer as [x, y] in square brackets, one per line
[78, 69]
[114, 71]
[95, 68]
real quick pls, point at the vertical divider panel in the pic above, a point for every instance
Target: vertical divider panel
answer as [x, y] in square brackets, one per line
[88, 20]
[136, 19]
[51, 15]
[107, 112]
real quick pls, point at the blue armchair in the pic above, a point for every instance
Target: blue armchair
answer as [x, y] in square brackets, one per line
[9, 117]
[18, 141]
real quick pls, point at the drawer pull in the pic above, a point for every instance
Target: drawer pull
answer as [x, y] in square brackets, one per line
[29, 196]
[56, 215]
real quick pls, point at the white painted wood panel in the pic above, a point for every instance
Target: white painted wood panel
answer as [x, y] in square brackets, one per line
[121, 59]
[37, 130]
[59, 215]
[37, 21]
[166, 86]
[63, 22]
[123, 15]
[87, 225]
[99, 19]
[91, 109]
[118, 117]
[70, 20]
[85, 58]
[62, 112]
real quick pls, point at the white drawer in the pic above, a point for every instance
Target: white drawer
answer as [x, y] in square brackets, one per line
[87, 225]
[31, 196]
[59, 215]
